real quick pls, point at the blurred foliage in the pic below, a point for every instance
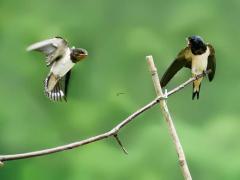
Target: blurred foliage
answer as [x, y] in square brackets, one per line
[118, 35]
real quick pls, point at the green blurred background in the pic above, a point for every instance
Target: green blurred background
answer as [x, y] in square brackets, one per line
[118, 35]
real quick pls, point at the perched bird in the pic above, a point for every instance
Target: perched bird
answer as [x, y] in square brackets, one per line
[61, 59]
[197, 56]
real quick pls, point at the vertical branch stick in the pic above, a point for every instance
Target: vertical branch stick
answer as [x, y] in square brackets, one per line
[168, 119]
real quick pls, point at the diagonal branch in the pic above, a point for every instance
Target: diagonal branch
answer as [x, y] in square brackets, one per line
[168, 118]
[99, 137]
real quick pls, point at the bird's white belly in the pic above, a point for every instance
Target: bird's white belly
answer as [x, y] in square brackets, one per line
[60, 69]
[62, 66]
[199, 63]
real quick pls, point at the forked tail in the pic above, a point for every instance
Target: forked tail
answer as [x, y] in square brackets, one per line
[196, 89]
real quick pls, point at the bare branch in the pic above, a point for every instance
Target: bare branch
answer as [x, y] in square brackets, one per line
[112, 132]
[168, 119]
[99, 137]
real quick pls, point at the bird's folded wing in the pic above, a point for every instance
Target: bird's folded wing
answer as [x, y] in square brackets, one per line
[59, 92]
[52, 48]
[211, 62]
[180, 62]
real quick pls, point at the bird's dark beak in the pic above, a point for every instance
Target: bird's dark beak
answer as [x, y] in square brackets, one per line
[84, 54]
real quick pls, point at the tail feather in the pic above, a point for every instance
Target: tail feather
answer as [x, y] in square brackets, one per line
[53, 88]
[194, 94]
[50, 82]
[56, 94]
[196, 91]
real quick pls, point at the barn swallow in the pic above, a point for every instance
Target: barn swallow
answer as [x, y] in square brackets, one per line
[197, 56]
[61, 59]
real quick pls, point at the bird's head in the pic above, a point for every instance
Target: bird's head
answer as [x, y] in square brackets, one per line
[196, 44]
[78, 54]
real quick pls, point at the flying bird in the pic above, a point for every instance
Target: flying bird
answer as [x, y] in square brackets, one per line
[197, 56]
[60, 58]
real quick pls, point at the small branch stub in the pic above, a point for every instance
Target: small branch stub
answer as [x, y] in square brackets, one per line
[1, 164]
[120, 144]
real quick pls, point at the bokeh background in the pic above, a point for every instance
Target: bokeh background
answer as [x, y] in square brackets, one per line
[118, 35]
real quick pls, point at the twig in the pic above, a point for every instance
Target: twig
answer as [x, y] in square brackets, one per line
[99, 137]
[168, 118]
[120, 144]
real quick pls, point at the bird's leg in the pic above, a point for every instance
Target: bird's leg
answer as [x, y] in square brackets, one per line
[197, 76]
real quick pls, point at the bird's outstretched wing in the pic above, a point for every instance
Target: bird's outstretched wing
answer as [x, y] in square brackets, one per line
[53, 48]
[59, 89]
[211, 62]
[181, 61]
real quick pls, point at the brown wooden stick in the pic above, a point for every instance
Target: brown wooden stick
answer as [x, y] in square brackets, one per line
[168, 119]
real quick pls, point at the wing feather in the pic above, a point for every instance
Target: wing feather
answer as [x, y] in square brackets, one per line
[181, 61]
[211, 63]
[52, 48]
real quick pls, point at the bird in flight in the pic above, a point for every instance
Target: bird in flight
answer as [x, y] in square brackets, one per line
[197, 56]
[61, 59]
